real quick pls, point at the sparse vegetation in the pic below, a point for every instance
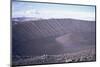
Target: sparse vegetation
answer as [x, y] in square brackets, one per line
[82, 56]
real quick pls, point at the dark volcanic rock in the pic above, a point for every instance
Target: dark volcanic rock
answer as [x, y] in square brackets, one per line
[52, 36]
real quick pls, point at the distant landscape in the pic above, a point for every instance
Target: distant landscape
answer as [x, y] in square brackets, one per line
[45, 41]
[48, 33]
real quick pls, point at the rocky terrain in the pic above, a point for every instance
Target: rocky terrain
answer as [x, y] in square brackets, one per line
[52, 41]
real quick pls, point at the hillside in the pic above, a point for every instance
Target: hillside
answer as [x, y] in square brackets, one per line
[51, 36]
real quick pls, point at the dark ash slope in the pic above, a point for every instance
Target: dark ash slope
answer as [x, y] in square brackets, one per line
[52, 36]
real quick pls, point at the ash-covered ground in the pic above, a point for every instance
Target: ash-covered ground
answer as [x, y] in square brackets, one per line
[47, 41]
